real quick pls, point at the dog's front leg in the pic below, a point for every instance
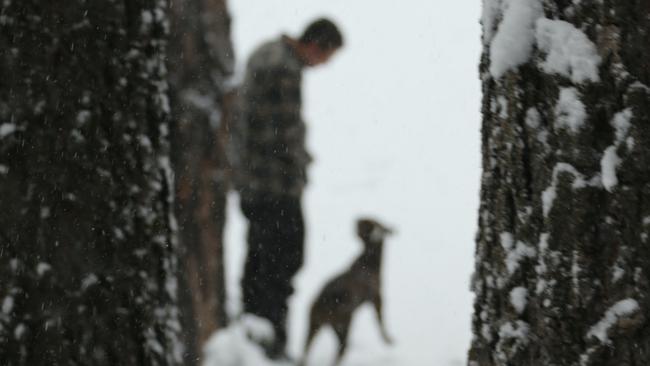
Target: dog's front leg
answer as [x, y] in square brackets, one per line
[380, 318]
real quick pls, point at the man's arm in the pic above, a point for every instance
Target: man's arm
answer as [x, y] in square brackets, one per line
[277, 133]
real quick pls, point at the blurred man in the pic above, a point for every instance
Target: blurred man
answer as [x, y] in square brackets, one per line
[271, 173]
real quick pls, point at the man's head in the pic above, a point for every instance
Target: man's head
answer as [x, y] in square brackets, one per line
[319, 41]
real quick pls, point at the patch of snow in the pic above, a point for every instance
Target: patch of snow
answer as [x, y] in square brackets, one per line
[13, 264]
[608, 165]
[503, 106]
[147, 17]
[513, 336]
[486, 332]
[203, 102]
[145, 141]
[543, 242]
[542, 138]
[7, 305]
[484, 315]
[7, 129]
[171, 286]
[491, 10]
[19, 331]
[119, 234]
[575, 272]
[638, 274]
[89, 280]
[39, 107]
[617, 273]
[45, 212]
[41, 268]
[639, 85]
[515, 252]
[77, 136]
[489, 281]
[83, 117]
[164, 130]
[152, 340]
[570, 112]
[610, 160]
[506, 240]
[621, 123]
[85, 99]
[257, 328]
[518, 299]
[513, 42]
[533, 118]
[621, 309]
[163, 102]
[515, 256]
[569, 52]
[159, 14]
[237, 345]
[541, 266]
[548, 197]
[549, 194]
[524, 215]
[512, 330]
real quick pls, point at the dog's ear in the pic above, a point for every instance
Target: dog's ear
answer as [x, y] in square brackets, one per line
[387, 230]
[364, 228]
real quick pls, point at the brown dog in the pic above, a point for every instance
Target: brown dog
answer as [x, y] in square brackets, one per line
[341, 296]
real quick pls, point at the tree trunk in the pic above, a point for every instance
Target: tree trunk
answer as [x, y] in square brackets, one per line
[87, 251]
[562, 254]
[200, 58]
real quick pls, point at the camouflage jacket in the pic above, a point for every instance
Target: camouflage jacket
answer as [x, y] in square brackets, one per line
[272, 158]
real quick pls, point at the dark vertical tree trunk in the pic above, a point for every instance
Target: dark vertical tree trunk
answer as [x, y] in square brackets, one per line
[87, 251]
[200, 60]
[563, 253]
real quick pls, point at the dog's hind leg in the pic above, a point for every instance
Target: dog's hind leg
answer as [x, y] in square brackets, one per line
[380, 318]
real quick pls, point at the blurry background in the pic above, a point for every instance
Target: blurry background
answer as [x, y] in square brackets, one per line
[393, 123]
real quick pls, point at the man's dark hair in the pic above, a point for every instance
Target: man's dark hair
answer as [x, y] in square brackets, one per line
[324, 33]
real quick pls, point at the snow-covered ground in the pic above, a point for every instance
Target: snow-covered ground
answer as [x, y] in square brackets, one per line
[394, 126]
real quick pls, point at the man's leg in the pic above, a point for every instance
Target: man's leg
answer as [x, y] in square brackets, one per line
[275, 254]
[286, 259]
[254, 278]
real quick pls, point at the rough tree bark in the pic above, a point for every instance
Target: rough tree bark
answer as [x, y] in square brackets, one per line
[200, 59]
[563, 253]
[87, 251]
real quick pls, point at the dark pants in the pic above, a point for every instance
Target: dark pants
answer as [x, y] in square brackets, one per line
[275, 254]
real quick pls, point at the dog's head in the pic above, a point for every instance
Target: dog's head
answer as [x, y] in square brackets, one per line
[371, 231]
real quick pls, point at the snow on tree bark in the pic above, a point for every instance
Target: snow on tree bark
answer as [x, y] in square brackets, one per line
[88, 256]
[562, 251]
[200, 60]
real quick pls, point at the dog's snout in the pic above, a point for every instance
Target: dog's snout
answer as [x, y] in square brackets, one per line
[388, 230]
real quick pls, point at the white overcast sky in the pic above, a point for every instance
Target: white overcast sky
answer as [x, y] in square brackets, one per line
[393, 122]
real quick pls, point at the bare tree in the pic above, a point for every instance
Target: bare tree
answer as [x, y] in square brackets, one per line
[562, 253]
[200, 60]
[87, 252]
